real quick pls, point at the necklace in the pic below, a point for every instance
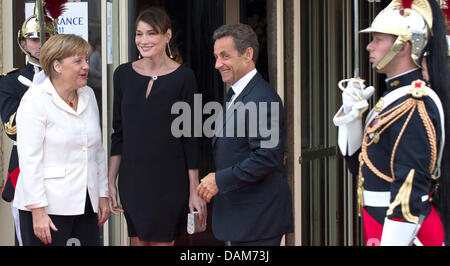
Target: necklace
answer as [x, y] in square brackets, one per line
[155, 77]
[71, 102]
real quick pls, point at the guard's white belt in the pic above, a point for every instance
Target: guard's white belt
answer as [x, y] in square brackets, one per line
[380, 199]
[377, 199]
[15, 143]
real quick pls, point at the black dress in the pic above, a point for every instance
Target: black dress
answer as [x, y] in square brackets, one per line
[153, 176]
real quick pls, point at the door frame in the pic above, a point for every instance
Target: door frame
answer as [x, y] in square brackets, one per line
[297, 186]
[121, 55]
[7, 237]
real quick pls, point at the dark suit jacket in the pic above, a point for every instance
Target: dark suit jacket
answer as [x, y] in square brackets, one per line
[254, 200]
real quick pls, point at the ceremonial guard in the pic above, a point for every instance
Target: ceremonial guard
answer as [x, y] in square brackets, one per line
[15, 83]
[400, 155]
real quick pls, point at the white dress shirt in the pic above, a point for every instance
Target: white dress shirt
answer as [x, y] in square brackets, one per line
[37, 67]
[240, 85]
[60, 152]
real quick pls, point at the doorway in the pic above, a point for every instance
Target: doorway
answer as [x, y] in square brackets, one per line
[193, 24]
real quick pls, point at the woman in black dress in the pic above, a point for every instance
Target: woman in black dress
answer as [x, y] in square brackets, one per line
[158, 172]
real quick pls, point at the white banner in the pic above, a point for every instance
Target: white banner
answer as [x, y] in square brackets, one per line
[109, 32]
[73, 21]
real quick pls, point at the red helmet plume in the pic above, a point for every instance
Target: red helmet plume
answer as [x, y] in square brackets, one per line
[55, 8]
[407, 4]
[446, 9]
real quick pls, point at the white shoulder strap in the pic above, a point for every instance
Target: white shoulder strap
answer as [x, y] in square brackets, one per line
[24, 81]
[438, 103]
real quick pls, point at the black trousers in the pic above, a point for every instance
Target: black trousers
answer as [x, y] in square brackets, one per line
[72, 230]
[274, 241]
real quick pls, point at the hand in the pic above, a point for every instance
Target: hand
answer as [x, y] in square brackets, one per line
[115, 209]
[197, 203]
[42, 224]
[354, 92]
[208, 187]
[103, 210]
[349, 117]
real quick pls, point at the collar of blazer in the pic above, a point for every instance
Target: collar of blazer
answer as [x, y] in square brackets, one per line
[83, 98]
[237, 103]
[249, 87]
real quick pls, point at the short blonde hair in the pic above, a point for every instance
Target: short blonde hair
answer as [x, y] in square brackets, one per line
[59, 47]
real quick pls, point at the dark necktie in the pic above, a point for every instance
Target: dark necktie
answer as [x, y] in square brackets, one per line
[229, 95]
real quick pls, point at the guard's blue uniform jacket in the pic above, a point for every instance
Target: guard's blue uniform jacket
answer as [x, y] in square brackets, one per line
[398, 157]
[11, 92]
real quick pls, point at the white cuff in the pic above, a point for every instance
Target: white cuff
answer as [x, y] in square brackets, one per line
[398, 233]
[350, 133]
[104, 191]
[350, 137]
[37, 205]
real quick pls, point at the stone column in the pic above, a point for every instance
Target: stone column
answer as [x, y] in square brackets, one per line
[1, 71]
[1, 36]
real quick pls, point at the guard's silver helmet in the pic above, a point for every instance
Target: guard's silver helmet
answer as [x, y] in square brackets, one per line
[412, 24]
[31, 28]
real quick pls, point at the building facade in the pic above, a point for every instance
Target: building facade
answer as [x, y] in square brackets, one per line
[307, 47]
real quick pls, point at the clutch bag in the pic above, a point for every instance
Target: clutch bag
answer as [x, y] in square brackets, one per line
[193, 224]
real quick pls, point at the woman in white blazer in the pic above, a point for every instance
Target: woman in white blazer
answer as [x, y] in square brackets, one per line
[63, 181]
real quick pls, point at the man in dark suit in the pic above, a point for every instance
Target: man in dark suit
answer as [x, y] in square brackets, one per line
[252, 200]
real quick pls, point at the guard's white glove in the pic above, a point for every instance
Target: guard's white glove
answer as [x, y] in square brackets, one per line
[355, 96]
[348, 118]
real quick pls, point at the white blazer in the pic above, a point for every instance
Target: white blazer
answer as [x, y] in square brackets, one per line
[60, 152]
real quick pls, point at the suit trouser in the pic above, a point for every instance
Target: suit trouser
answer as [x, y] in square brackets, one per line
[77, 230]
[274, 241]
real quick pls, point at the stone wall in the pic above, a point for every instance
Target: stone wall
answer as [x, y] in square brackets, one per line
[1, 71]
[1, 36]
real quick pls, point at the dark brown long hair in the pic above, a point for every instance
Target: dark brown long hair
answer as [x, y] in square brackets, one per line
[160, 22]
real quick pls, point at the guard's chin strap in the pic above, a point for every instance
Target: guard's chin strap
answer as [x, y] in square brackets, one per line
[31, 56]
[395, 49]
[27, 53]
[35, 58]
